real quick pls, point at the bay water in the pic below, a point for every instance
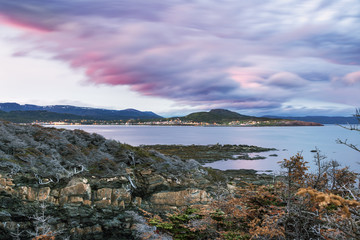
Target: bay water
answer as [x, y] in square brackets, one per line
[287, 140]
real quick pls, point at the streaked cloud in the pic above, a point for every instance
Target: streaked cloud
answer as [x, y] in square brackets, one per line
[204, 54]
[287, 80]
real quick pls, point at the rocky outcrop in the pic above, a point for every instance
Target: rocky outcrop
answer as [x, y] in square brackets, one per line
[95, 208]
[86, 187]
[188, 197]
[85, 192]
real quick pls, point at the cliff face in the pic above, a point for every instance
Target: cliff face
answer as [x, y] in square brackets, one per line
[87, 187]
[86, 208]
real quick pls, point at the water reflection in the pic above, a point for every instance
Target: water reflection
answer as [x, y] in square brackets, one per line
[270, 163]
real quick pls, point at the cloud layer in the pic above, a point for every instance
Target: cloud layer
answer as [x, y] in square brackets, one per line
[229, 54]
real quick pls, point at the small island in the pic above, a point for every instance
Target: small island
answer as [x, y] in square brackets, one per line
[209, 153]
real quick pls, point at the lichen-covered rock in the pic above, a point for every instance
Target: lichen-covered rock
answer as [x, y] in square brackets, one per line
[103, 194]
[120, 195]
[77, 187]
[180, 198]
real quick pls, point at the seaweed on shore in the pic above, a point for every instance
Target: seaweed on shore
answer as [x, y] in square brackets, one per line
[209, 153]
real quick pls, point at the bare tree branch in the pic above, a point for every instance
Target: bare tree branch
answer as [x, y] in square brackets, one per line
[350, 145]
[354, 127]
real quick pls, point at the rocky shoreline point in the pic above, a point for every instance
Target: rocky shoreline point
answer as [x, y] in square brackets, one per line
[83, 186]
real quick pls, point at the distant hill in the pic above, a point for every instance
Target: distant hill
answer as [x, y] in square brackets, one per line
[226, 117]
[31, 116]
[218, 116]
[322, 119]
[83, 112]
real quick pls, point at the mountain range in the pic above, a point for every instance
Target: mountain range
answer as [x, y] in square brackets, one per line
[26, 113]
[73, 112]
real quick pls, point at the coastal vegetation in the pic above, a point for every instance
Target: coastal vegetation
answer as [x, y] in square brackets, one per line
[299, 205]
[57, 183]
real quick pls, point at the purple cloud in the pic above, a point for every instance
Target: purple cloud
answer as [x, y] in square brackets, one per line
[233, 55]
[352, 78]
[287, 80]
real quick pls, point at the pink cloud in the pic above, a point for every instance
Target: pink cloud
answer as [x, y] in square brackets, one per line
[186, 57]
[27, 27]
[352, 78]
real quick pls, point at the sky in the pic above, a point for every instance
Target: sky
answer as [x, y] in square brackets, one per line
[259, 57]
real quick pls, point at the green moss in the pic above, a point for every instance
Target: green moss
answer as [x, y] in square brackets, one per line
[191, 210]
[161, 225]
[236, 236]
[16, 161]
[176, 225]
[331, 207]
[139, 151]
[103, 166]
[215, 175]
[218, 215]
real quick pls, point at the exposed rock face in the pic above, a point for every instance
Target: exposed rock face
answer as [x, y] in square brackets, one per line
[83, 209]
[89, 187]
[179, 198]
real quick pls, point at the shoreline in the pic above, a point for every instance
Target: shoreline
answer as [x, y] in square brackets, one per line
[211, 152]
[173, 125]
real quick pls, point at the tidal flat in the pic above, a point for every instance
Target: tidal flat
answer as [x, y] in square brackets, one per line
[210, 153]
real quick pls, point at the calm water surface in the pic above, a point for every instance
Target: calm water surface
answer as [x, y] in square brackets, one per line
[288, 141]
